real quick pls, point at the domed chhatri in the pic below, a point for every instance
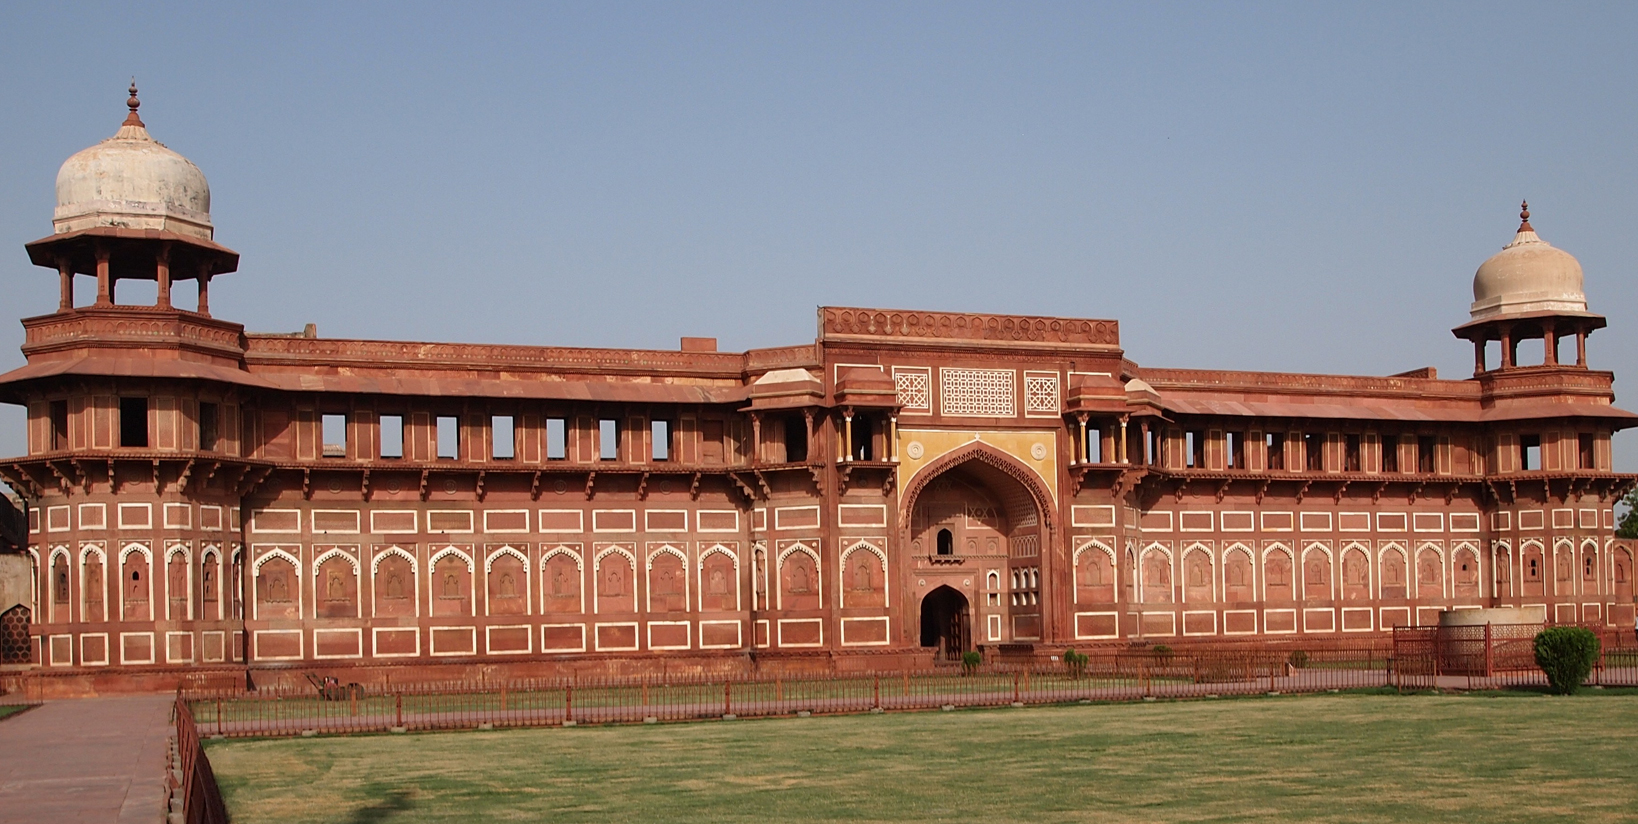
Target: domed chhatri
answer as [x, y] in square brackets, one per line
[132, 181]
[1528, 275]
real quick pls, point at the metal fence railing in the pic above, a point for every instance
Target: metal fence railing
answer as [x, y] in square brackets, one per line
[1125, 675]
[1497, 656]
[190, 780]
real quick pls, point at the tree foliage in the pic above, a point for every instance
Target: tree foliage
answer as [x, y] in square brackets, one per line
[1628, 528]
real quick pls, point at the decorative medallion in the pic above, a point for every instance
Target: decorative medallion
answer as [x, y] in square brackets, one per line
[915, 450]
[560, 487]
[1038, 451]
[450, 487]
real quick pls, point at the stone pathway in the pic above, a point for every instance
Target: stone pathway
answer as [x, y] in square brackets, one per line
[86, 760]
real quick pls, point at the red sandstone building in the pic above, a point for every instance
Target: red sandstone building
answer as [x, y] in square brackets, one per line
[908, 483]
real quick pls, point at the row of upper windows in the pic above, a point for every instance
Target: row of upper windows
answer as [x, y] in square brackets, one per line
[1341, 452]
[142, 422]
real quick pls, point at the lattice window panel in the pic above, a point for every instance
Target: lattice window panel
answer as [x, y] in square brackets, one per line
[1040, 394]
[986, 393]
[915, 390]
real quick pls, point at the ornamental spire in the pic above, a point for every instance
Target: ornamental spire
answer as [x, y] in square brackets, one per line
[1524, 214]
[133, 104]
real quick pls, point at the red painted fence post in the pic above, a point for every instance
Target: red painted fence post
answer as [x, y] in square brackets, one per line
[727, 698]
[1489, 660]
[398, 702]
[568, 703]
[876, 693]
[1015, 688]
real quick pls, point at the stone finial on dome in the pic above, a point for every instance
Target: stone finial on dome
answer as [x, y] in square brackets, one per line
[133, 104]
[1528, 276]
[132, 181]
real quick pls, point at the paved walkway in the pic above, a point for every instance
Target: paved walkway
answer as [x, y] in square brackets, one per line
[86, 760]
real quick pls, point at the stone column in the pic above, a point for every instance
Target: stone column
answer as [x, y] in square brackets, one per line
[162, 273]
[1549, 344]
[105, 284]
[65, 284]
[204, 289]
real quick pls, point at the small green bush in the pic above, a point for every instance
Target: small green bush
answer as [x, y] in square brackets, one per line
[1298, 659]
[1162, 653]
[971, 659]
[1074, 662]
[1567, 655]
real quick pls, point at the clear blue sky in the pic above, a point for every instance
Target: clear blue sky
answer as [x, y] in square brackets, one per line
[1303, 187]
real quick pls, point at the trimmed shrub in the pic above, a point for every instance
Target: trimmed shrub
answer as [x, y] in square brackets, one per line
[1162, 654]
[1567, 655]
[1298, 659]
[1074, 662]
[971, 660]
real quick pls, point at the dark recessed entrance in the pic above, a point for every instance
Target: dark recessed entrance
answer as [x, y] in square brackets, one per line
[945, 623]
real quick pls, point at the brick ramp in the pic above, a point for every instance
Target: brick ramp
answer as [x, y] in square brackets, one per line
[86, 760]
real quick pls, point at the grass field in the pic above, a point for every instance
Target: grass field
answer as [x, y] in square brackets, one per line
[1354, 758]
[11, 709]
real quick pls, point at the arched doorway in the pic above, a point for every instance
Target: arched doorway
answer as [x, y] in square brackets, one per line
[977, 515]
[946, 623]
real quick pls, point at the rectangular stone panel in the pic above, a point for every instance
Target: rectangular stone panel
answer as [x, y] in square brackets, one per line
[393, 521]
[507, 640]
[1200, 623]
[864, 631]
[1194, 521]
[1394, 617]
[669, 635]
[1428, 522]
[338, 643]
[1096, 625]
[1464, 522]
[719, 634]
[506, 520]
[1321, 521]
[1279, 521]
[805, 632]
[212, 647]
[449, 520]
[1092, 516]
[563, 638]
[1319, 620]
[1157, 522]
[344, 521]
[94, 649]
[614, 520]
[1356, 619]
[861, 515]
[136, 516]
[1238, 521]
[277, 644]
[796, 517]
[178, 647]
[1279, 620]
[665, 520]
[616, 636]
[1159, 623]
[561, 520]
[397, 642]
[275, 520]
[454, 640]
[1532, 519]
[1239, 622]
[1392, 522]
[138, 647]
[717, 520]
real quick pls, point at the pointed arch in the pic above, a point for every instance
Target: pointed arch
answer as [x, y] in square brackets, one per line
[982, 452]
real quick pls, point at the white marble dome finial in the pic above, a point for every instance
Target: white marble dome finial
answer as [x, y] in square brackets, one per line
[132, 181]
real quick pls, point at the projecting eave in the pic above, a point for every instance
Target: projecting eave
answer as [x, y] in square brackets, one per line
[12, 382]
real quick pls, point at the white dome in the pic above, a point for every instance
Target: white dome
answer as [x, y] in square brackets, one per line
[1528, 275]
[132, 181]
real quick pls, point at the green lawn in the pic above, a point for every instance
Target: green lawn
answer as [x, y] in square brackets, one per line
[12, 709]
[1353, 758]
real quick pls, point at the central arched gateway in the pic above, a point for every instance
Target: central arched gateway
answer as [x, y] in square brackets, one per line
[978, 523]
[946, 623]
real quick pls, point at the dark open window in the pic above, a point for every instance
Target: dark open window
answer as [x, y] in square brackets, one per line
[1589, 459]
[1314, 446]
[1529, 452]
[863, 435]
[1274, 442]
[1236, 442]
[1390, 453]
[210, 426]
[1350, 453]
[946, 542]
[59, 425]
[1424, 453]
[1194, 449]
[133, 422]
[796, 438]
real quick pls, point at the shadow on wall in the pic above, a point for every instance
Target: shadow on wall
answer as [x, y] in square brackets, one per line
[396, 801]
